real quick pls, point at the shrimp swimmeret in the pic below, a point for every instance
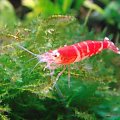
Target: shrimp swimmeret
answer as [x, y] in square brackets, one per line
[74, 53]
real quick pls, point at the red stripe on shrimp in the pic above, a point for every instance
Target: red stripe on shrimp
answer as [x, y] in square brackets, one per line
[98, 46]
[82, 47]
[91, 47]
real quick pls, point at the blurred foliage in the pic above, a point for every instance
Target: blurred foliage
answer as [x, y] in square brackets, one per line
[112, 13]
[6, 10]
[47, 7]
[109, 13]
[27, 95]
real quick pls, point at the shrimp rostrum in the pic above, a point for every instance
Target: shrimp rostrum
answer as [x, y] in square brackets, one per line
[67, 55]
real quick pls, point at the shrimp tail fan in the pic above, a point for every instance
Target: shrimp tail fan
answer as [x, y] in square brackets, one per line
[112, 46]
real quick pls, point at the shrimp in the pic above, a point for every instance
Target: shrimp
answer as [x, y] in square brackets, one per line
[67, 55]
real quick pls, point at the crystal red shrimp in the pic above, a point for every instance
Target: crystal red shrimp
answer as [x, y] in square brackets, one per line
[74, 53]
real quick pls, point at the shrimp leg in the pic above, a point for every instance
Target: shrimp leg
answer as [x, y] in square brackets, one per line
[59, 91]
[69, 76]
[56, 86]
[59, 74]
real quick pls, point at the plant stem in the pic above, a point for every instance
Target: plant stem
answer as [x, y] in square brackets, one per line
[87, 17]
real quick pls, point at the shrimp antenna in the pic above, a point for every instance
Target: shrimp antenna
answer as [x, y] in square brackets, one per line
[27, 50]
[34, 67]
[31, 59]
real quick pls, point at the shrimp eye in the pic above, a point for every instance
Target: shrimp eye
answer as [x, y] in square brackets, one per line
[55, 55]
